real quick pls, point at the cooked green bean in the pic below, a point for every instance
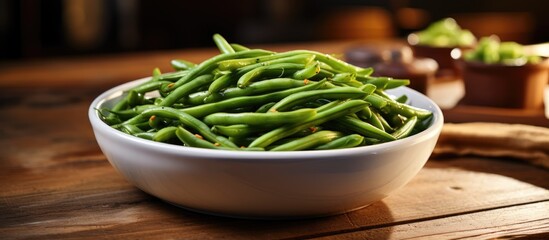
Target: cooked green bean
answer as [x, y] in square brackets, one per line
[406, 129]
[363, 128]
[211, 64]
[321, 117]
[264, 86]
[237, 130]
[193, 140]
[190, 121]
[145, 135]
[308, 142]
[222, 44]
[165, 134]
[386, 126]
[280, 66]
[303, 59]
[185, 89]
[239, 48]
[221, 106]
[180, 64]
[375, 121]
[222, 82]
[395, 107]
[265, 119]
[348, 141]
[259, 100]
[276, 70]
[308, 72]
[333, 93]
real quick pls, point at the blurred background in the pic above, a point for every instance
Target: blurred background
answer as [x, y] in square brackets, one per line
[34, 29]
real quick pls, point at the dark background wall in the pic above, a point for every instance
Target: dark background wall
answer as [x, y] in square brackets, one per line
[31, 29]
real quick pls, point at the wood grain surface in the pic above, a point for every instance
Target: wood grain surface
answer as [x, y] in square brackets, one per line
[56, 183]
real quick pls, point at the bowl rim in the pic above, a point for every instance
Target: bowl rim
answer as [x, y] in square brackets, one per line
[221, 154]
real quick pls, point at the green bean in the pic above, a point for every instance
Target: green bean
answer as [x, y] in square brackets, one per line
[405, 110]
[365, 113]
[237, 130]
[134, 98]
[331, 61]
[242, 141]
[190, 121]
[192, 140]
[128, 113]
[239, 48]
[363, 128]
[180, 64]
[348, 141]
[145, 135]
[165, 134]
[402, 99]
[198, 98]
[222, 82]
[376, 101]
[233, 64]
[308, 72]
[222, 106]
[262, 119]
[375, 121]
[278, 66]
[394, 83]
[406, 129]
[132, 121]
[263, 100]
[172, 76]
[383, 82]
[368, 88]
[302, 59]
[156, 74]
[274, 70]
[344, 77]
[211, 64]
[130, 129]
[307, 142]
[384, 95]
[386, 126]
[370, 141]
[271, 85]
[265, 107]
[150, 86]
[301, 97]
[222, 44]
[185, 89]
[158, 123]
[325, 115]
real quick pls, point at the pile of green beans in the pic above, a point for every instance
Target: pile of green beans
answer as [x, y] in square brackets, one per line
[259, 100]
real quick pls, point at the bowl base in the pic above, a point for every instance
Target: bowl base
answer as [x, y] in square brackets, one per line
[264, 217]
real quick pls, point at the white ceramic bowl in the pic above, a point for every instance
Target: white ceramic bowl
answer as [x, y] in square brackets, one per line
[267, 184]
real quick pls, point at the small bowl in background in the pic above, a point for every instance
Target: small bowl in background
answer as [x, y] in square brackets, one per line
[442, 55]
[401, 64]
[504, 86]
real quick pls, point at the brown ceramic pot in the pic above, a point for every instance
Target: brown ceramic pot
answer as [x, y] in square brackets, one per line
[505, 86]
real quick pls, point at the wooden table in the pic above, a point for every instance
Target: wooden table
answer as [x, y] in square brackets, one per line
[55, 182]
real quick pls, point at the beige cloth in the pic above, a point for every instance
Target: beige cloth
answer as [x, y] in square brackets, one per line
[523, 142]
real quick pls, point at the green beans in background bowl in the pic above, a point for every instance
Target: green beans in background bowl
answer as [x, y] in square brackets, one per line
[255, 133]
[503, 75]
